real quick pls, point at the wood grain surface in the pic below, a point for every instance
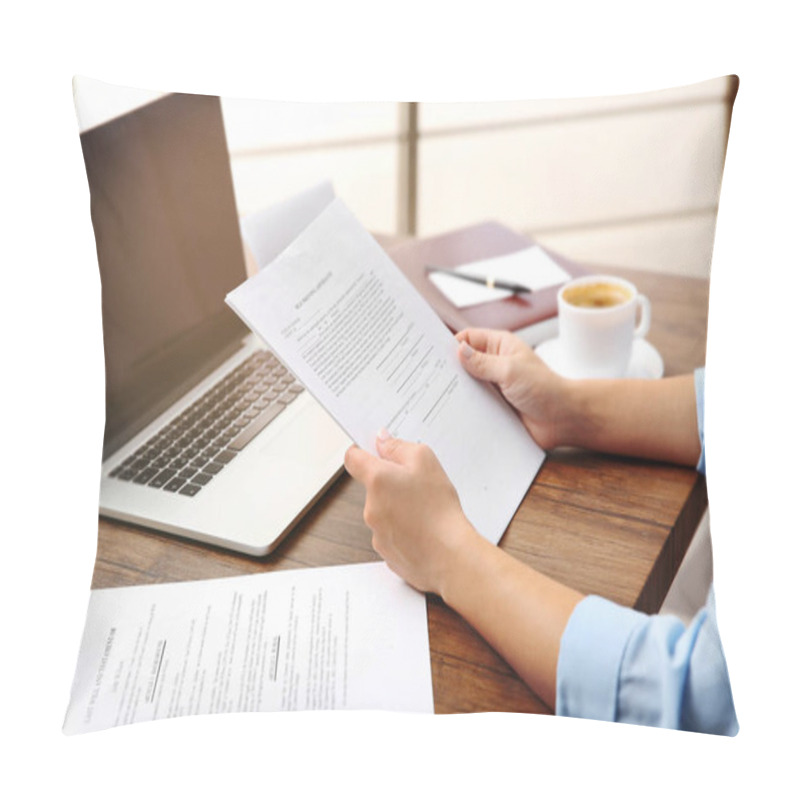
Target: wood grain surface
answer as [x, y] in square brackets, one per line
[606, 525]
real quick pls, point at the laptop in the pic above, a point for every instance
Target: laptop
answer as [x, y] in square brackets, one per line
[207, 436]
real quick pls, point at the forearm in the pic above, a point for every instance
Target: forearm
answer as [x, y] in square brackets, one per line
[641, 418]
[520, 612]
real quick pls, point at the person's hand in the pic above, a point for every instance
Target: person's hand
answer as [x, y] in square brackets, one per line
[413, 511]
[527, 383]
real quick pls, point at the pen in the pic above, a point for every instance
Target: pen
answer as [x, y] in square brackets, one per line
[486, 280]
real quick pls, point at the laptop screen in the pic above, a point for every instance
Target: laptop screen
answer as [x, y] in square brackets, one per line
[169, 250]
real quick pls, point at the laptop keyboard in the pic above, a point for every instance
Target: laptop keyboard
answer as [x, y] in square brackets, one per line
[188, 452]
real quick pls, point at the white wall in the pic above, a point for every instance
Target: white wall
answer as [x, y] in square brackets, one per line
[629, 181]
[278, 149]
[626, 181]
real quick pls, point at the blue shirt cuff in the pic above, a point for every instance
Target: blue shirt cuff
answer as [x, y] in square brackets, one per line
[592, 647]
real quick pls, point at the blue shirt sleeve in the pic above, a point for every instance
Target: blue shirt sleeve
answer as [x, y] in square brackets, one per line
[617, 664]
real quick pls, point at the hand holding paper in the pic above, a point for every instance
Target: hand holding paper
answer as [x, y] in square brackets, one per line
[417, 523]
[352, 328]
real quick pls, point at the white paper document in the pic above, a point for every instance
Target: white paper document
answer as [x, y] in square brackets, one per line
[345, 637]
[339, 313]
[269, 231]
[531, 267]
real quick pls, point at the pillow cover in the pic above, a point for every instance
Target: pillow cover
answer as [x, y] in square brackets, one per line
[627, 184]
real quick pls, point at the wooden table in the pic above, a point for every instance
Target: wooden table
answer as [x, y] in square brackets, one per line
[604, 525]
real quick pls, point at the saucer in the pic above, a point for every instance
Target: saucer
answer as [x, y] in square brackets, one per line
[646, 361]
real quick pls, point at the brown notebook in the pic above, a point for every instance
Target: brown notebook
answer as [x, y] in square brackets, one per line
[484, 240]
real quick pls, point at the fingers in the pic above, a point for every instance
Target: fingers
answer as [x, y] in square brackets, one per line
[485, 366]
[391, 449]
[484, 339]
[363, 465]
[359, 463]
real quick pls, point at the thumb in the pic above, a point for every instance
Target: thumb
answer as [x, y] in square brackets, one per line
[485, 366]
[391, 449]
[359, 463]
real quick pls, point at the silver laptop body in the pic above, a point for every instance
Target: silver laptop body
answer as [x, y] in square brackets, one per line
[207, 435]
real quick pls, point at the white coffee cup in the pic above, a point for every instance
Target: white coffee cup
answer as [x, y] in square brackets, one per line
[597, 325]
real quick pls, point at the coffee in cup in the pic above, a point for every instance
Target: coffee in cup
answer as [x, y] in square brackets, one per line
[597, 294]
[597, 325]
